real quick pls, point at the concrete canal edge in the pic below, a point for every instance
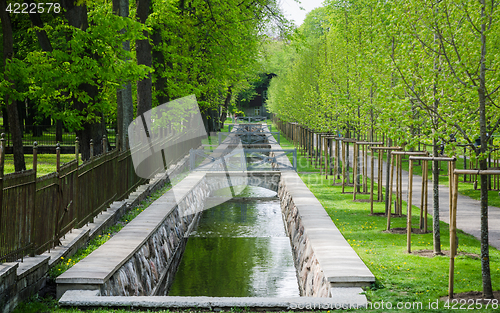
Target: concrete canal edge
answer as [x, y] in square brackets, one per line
[344, 298]
[136, 260]
[323, 258]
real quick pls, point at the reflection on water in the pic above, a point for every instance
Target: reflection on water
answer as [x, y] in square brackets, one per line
[240, 249]
[251, 191]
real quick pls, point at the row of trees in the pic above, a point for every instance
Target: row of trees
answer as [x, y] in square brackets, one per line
[418, 71]
[96, 59]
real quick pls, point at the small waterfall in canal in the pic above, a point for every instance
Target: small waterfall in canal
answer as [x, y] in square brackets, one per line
[239, 249]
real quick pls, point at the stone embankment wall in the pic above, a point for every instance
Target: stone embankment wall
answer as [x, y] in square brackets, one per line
[141, 260]
[154, 262]
[311, 278]
[323, 258]
[19, 281]
[144, 255]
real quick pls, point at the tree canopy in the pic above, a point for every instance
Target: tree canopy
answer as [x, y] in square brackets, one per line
[70, 62]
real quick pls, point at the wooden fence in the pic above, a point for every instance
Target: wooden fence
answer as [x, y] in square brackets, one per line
[36, 212]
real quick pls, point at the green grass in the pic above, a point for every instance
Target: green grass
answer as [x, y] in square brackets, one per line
[401, 277]
[46, 163]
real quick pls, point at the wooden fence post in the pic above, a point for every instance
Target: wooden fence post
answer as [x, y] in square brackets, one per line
[408, 217]
[453, 181]
[104, 144]
[77, 152]
[372, 183]
[75, 184]
[380, 193]
[2, 154]
[391, 179]
[355, 169]
[58, 157]
[33, 213]
[56, 241]
[91, 149]
[2, 159]
[425, 177]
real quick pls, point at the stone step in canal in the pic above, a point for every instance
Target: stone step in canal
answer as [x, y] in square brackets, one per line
[239, 249]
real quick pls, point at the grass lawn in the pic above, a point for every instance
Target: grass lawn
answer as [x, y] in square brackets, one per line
[401, 277]
[46, 162]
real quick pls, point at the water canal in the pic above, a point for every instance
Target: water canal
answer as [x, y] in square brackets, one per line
[239, 249]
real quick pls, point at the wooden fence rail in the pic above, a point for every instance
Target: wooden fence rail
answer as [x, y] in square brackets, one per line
[35, 212]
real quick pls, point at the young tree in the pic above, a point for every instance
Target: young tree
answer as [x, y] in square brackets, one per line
[124, 102]
[468, 36]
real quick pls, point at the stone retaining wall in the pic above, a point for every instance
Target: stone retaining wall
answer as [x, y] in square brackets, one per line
[142, 258]
[154, 263]
[324, 260]
[146, 252]
[19, 281]
[311, 279]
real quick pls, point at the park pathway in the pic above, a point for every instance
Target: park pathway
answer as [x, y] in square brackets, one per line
[468, 209]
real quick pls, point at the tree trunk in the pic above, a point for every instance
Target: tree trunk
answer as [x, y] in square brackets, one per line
[43, 38]
[125, 105]
[128, 114]
[227, 101]
[483, 165]
[436, 231]
[387, 178]
[143, 50]
[159, 66]
[10, 103]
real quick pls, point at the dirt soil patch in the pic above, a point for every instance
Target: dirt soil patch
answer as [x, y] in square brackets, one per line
[385, 215]
[402, 230]
[471, 296]
[377, 214]
[430, 253]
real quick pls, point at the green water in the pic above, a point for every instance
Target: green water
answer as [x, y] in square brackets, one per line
[240, 249]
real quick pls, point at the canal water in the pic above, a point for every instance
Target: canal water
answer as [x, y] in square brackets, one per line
[240, 249]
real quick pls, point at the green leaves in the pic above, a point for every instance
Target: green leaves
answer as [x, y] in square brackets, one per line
[401, 67]
[93, 57]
